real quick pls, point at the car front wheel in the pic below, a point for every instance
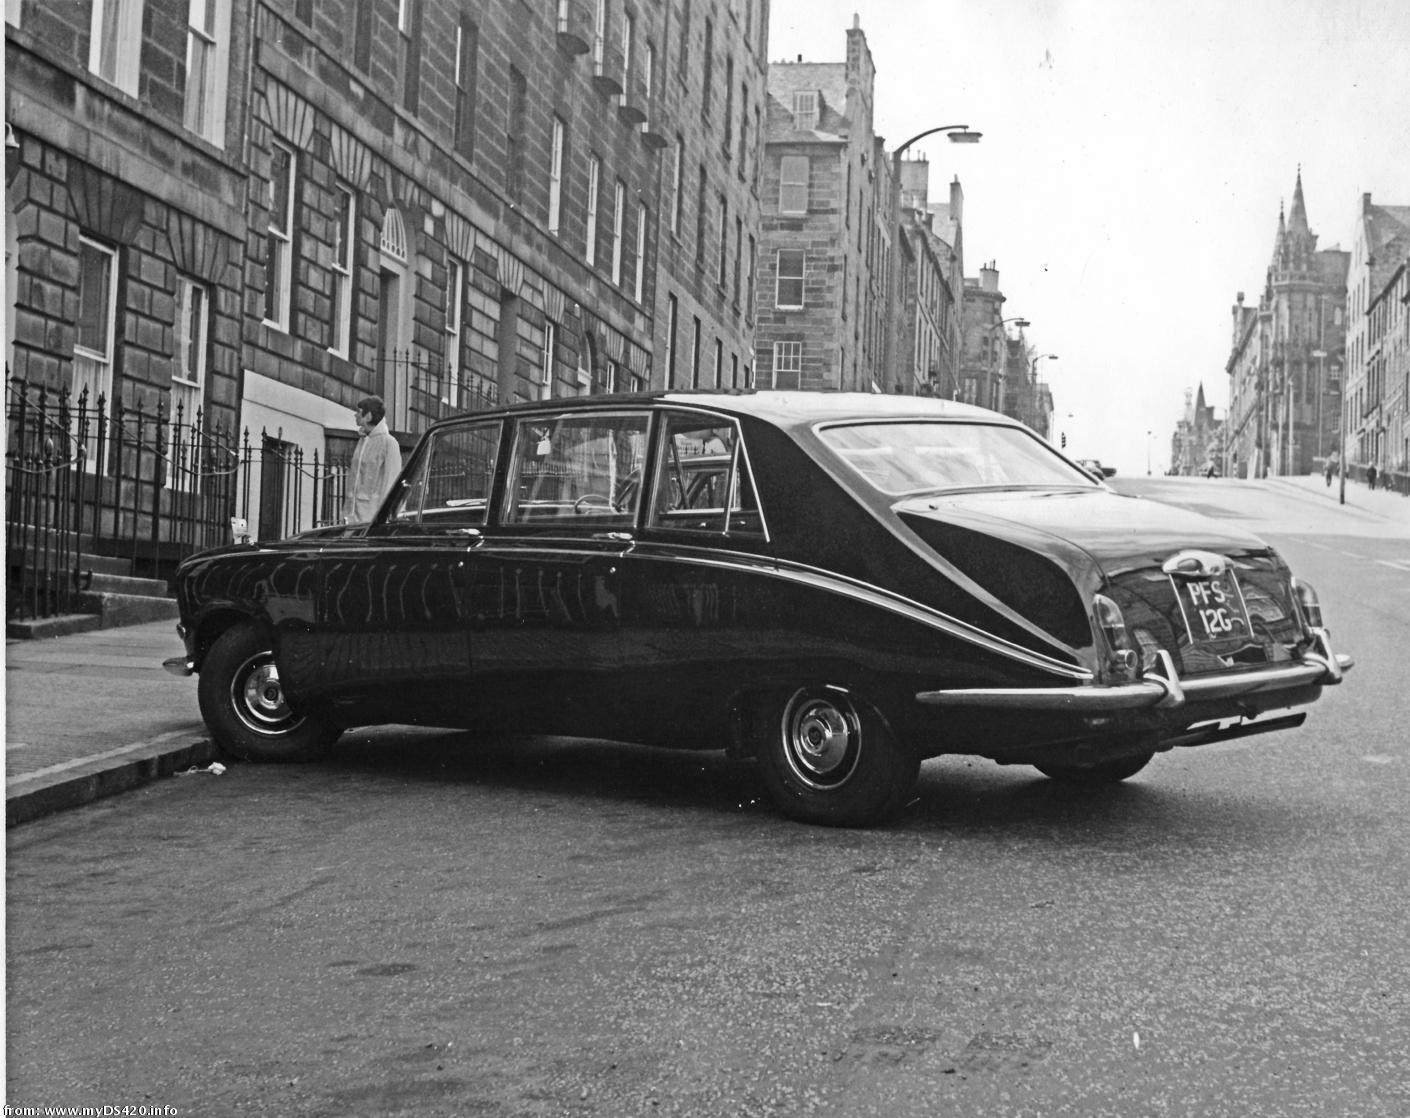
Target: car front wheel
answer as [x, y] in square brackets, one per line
[243, 703]
[829, 760]
[1103, 772]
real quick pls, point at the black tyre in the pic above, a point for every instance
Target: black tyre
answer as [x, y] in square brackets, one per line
[1103, 772]
[244, 705]
[830, 760]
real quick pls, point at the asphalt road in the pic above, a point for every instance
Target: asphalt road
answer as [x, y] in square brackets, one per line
[430, 924]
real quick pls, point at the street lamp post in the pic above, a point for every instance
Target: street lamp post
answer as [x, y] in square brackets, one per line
[1148, 453]
[958, 134]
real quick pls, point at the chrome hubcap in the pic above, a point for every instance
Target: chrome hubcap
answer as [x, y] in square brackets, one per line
[259, 697]
[821, 740]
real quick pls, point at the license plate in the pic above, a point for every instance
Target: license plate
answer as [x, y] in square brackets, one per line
[1213, 608]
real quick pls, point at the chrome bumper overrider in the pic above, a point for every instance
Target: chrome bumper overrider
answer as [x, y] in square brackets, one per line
[1161, 688]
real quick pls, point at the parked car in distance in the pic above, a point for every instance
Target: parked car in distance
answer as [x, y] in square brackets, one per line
[838, 585]
[1094, 467]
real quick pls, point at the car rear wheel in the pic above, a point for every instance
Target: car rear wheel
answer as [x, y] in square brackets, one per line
[244, 706]
[828, 759]
[1103, 772]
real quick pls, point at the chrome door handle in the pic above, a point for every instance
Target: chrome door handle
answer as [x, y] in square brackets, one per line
[615, 537]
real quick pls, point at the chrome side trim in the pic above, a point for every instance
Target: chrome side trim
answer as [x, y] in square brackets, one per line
[867, 593]
[1162, 689]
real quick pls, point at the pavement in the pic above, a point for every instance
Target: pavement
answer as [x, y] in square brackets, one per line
[91, 714]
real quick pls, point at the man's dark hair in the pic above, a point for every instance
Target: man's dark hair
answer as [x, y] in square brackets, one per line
[374, 407]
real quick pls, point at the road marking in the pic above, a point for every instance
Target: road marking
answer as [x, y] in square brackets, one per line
[1398, 564]
[64, 766]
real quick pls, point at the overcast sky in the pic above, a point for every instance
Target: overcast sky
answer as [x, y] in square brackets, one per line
[1134, 157]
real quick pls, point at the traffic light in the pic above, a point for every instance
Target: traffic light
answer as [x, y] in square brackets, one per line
[1064, 438]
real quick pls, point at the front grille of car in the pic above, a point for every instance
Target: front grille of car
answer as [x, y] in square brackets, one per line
[1154, 619]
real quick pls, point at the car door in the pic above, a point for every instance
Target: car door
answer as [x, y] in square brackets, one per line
[394, 619]
[697, 590]
[546, 595]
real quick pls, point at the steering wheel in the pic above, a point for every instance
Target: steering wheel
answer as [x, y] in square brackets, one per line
[580, 506]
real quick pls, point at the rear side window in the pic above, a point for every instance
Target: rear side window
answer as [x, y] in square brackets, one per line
[451, 486]
[577, 470]
[703, 483]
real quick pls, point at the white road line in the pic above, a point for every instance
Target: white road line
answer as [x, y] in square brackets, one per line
[1398, 564]
[64, 766]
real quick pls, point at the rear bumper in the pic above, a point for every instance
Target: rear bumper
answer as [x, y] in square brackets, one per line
[1161, 689]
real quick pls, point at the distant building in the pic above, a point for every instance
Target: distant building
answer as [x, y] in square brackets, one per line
[825, 243]
[1197, 444]
[984, 349]
[1285, 356]
[1027, 397]
[931, 289]
[1377, 365]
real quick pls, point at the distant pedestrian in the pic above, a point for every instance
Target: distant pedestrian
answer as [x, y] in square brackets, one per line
[1371, 476]
[376, 462]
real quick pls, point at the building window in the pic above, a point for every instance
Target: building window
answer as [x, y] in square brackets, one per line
[738, 256]
[639, 286]
[749, 290]
[700, 220]
[344, 244]
[455, 299]
[546, 359]
[594, 186]
[599, 36]
[628, 27]
[727, 139]
[115, 42]
[467, 51]
[743, 131]
[790, 279]
[97, 332]
[207, 41]
[555, 177]
[188, 377]
[793, 184]
[734, 370]
[677, 184]
[788, 361]
[722, 272]
[719, 363]
[695, 353]
[672, 317]
[364, 15]
[409, 28]
[514, 137]
[279, 237]
[683, 70]
[805, 110]
[709, 67]
[619, 206]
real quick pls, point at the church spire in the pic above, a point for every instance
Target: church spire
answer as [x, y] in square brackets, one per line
[1297, 220]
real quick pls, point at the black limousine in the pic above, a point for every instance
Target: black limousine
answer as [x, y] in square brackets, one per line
[839, 585]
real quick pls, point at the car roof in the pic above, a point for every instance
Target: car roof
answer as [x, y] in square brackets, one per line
[786, 409]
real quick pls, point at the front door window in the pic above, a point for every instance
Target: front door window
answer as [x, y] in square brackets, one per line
[577, 470]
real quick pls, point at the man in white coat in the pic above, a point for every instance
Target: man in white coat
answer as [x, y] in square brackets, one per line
[376, 462]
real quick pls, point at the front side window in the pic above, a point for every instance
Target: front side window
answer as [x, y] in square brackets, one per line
[279, 238]
[115, 42]
[207, 46]
[789, 292]
[921, 457]
[702, 478]
[450, 486]
[577, 470]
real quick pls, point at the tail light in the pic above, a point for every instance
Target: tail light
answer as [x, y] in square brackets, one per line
[1308, 602]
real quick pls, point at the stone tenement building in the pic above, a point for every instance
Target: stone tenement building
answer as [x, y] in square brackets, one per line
[1285, 361]
[272, 209]
[985, 350]
[1378, 344]
[825, 241]
[125, 193]
[932, 271]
